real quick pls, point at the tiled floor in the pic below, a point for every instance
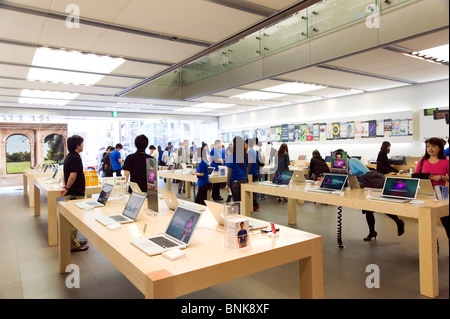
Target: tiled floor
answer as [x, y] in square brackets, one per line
[29, 268]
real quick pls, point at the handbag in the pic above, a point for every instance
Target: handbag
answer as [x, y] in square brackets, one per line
[421, 175]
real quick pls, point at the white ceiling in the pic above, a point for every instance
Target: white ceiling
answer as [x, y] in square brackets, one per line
[198, 23]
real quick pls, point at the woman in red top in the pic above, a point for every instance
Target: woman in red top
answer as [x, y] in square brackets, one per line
[436, 164]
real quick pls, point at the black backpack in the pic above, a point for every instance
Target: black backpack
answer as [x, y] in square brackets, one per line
[372, 179]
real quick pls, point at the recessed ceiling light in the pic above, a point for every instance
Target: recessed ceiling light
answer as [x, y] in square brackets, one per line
[71, 60]
[46, 97]
[436, 53]
[294, 88]
[257, 95]
[192, 110]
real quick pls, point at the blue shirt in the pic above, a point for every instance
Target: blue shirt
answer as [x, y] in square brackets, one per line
[446, 152]
[202, 168]
[238, 169]
[357, 167]
[252, 156]
[114, 156]
[217, 155]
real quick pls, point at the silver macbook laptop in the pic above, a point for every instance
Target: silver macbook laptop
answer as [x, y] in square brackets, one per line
[173, 202]
[298, 177]
[178, 233]
[280, 178]
[330, 183]
[129, 214]
[400, 190]
[101, 200]
[353, 182]
[218, 212]
[426, 188]
[135, 188]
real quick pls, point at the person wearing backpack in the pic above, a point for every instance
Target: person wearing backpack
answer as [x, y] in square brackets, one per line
[373, 179]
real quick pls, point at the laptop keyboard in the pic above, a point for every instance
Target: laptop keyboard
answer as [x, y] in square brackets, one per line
[118, 218]
[163, 242]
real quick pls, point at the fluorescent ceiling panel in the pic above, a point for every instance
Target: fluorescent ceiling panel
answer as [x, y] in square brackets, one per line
[257, 95]
[294, 88]
[438, 53]
[46, 97]
[192, 110]
[71, 60]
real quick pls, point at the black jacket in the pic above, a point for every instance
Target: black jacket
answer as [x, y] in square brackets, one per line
[383, 164]
[317, 167]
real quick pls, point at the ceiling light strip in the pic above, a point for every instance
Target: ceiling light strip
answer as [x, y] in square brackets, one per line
[245, 6]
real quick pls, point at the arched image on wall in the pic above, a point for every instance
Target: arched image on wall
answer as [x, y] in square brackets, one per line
[18, 154]
[53, 148]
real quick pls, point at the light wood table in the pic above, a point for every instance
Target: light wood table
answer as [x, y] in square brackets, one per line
[188, 178]
[52, 194]
[207, 261]
[356, 198]
[28, 182]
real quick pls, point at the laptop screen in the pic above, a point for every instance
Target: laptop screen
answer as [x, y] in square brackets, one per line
[282, 177]
[210, 170]
[169, 168]
[338, 163]
[400, 187]
[55, 171]
[331, 181]
[183, 224]
[104, 195]
[133, 206]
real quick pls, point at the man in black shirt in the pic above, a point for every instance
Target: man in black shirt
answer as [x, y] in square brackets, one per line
[135, 164]
[74, 182]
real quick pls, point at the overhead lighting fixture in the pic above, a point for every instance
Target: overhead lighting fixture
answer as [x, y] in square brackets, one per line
[257, 95]
[46, 97]
[294, 88]
[68, 61]
[211, 105]
[437, 54]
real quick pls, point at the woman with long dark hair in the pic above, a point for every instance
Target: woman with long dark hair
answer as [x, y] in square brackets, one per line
[237, 165]
[435, 163]
[383, 164]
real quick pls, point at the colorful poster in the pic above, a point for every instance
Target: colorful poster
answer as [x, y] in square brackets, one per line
[297, 133]
[350, 130]
[388, 128]
[329, 131]
[364, 129]
[278, 133]
[380, 128]
[291, 129]
[284, 133]
[316, 132]
[343, 134]
[323, 132]
[403, 127]
[373, 128]
[309, 133]
[358, 130]
[303, 132]
[336, 131]
[395, 128]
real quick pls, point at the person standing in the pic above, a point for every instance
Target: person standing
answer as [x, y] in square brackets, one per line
[435, 163]
[283, 163]
[135, 167]
[106, 162]
[202, 176]
[253, 166]
[154, 153]
[74, 183]
[383, 164]
[237, 166]
[217, 159]
[116, 160]
[184, 156]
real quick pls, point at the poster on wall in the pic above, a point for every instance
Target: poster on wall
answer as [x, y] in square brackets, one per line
[297, 133]
[309, 134]
[284, 133]
[372, 128]
[329, 131]
[380, 128]
[343, 131]
[403, 127]
[323, 132]
[388, 128]
[430, 111]
[350, 130]
[410, 127]
[336, 131]
[316, 132]
[358, 130]
[303, 132]
[291, 129]
[278, 133]
[364, 129]
[395, 127]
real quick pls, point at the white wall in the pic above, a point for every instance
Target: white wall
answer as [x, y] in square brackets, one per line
[408, 98]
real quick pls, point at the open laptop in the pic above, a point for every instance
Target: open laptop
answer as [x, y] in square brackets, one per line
[173, 202]
[330, 183]
[302, 157]
[101, 200]
[280, 178]
[135, 188]
[210, 171]
[218, 212]
[353, 182]
[400, 190]
[298, 177]
[129, 214]
[178, 234]
[426, 188]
